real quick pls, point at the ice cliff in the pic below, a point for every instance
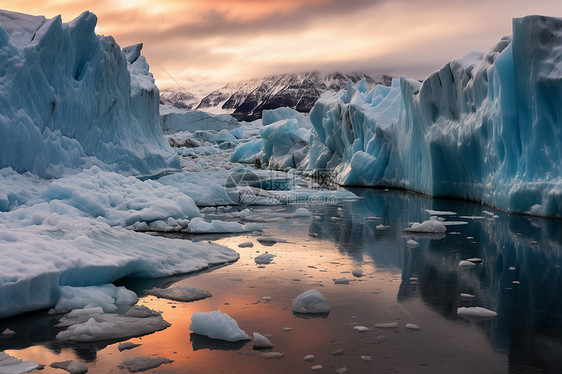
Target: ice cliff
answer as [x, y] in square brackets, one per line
[71, 99]
[485, 127]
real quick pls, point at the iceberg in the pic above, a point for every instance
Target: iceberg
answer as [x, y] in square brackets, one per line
[217, 325]
[71, 99]
[471, 130]
[175, 120]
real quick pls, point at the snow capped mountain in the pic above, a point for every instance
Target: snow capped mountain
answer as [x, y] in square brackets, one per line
[246, 100]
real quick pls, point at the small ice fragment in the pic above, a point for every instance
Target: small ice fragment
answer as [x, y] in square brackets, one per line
[511, 268]
[412, 326]
[357, 273]
[342, 370]
[516, 282]
[268, 240]
[387, 325]
[316, 367]
[372, 218]
[141, 311]
[143, 363]
[272, 355]
[246, 245]
[467, 296]
[302, 212]
[72, 366]
[180, 293]
[465, 263]
[264, 258]
[338, 352]
[261, 342]
[534, 242]
[287, 329]
[266, 298]
[127, 345]
[432, 225]
[413, 279]
[488, 213]
[476, 313]
[234, 279]
[361, 328]
[412, 243]
[342, 280]
[440, 213]
[8, 332]
[476, 260]
[366, 358]
[217, 325]
[382, 227]
[470, 237]
[308, 357]
[311, 301]
[380, 338]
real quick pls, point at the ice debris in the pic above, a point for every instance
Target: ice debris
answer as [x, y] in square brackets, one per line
[180, 293]
[217, 325]
[143, 363]
[476, 313]
[72, 366]
[311, 301]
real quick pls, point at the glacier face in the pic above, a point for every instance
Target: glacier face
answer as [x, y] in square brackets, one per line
[71, 99]
[485, 127]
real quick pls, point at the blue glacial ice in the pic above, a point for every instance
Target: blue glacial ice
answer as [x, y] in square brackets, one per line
[71, 99]
[485, 127]
[173, 120]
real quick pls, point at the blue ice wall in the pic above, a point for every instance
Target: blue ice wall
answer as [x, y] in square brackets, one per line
[485, 127]
[70, 99]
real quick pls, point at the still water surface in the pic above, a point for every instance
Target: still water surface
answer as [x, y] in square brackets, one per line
[520, 278]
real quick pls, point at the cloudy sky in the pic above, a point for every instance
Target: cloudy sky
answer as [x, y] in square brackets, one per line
[191, 43]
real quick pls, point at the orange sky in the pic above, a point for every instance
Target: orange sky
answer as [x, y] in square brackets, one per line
[212, 41]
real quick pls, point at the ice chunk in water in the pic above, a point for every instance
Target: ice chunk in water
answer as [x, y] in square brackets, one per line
[261, 342]
[143, 363]
[311, 301]
[476, 313]
[264, 258]
[217, 325]
[72, 366]
[180, 293]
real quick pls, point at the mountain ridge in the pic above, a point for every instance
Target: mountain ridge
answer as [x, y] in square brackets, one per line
[246, 100]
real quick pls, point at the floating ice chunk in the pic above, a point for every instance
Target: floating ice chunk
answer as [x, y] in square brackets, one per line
[269, 240]
[217, 325]
[198, 225]
[412, 243]
[12, 365]
[246, 245]
[72, 366]
[8, 332]
[466, 264]
[261, 342]
[311, 301]
[357, 273]
[387, 325]
[338, 352]
[454, 223]
[515, 282]
[272, 355]
[264, 258]
[143, 363]
[266, 298]
[342, 280]
[475, 260]
[491, 214]
[430, 226]
[382, 227]
[467, 296]
[108, 297]
[141, 311]
[440, 213]
[127, 345]
[412, 326]
[341, 370]
[111, 326]
[287, 329]
[308, 357]
[316, 367]
[361, 328]
[511, 268]
[476, 313]
[366, 358]
[180, 293]
[302, 212]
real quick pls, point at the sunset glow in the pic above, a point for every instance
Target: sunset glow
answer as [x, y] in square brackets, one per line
[224, 40]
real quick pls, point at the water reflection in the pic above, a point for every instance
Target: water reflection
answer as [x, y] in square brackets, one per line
[520, 277]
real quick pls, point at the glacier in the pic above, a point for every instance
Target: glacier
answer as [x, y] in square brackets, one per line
[485, 127]
[70, 99]
[79, 138]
